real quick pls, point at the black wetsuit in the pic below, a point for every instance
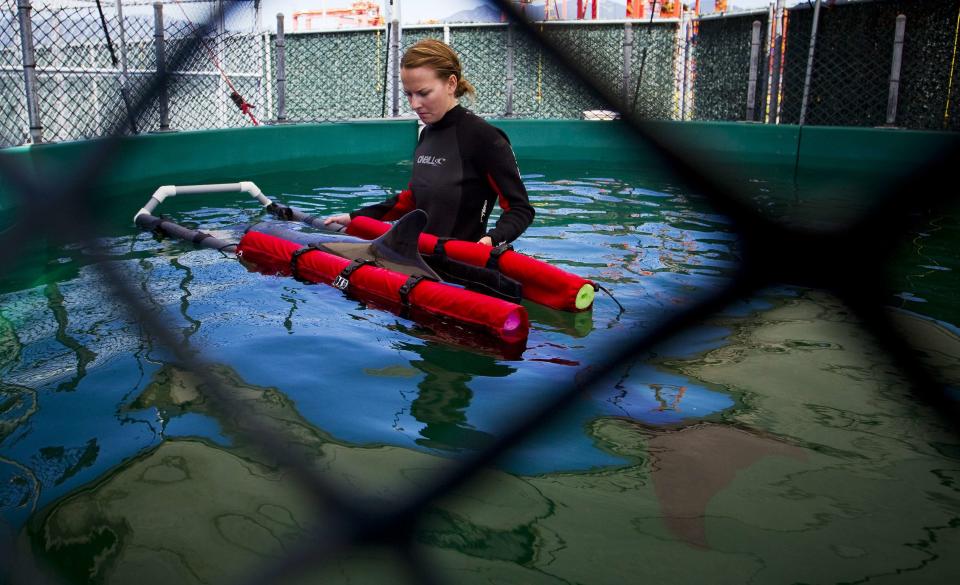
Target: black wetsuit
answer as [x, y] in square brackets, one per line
[462, 167]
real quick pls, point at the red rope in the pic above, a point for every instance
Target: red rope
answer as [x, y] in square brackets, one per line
[238, 99]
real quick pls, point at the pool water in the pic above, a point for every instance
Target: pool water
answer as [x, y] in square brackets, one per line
[771, 443]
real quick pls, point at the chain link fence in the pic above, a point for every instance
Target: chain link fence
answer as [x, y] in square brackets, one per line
[14, 128]
[848, 264]
[93, 61]
[722, 52]
[852, 72]
[731, 67]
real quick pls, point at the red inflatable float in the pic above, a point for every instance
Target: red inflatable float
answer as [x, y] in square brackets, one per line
[542, 283]
[505, 320]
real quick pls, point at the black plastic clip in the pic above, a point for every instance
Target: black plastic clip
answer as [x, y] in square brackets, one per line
[438, 248]
[280, 211]
[199, 237]
[493, 262]
[408, 286]
[342, 281]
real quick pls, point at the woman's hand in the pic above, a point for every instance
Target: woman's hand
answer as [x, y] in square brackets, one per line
[486, 241]
[342, 219]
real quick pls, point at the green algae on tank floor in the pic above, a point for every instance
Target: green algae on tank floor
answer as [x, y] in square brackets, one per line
[373, 401]
[826, 472]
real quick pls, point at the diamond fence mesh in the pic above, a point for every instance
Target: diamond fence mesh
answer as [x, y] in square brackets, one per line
[88, 69]
[334, 76]
[14, 128]
[721, 74]
[545, 87]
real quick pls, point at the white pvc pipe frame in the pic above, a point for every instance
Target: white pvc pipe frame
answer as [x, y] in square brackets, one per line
[166, 191]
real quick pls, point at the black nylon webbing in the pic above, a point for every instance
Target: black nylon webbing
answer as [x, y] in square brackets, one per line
[295, 259]
[408, 286]
[493, 262]
[342, 281]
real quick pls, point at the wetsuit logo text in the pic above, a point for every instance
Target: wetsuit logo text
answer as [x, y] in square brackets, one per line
[433, 161]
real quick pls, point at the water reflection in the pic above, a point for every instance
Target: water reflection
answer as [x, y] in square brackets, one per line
[810, 445]
[55, 302]
[444, 394]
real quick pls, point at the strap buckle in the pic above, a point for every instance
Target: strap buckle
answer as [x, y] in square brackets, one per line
[493, 262]
[342, 280]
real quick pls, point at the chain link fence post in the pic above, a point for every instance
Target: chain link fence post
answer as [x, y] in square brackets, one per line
[510, 79]
[810, 57]
[754, 66]
[222, 113]
[895, 66]
[158, 43]
[764, 81]
[30, 71]
[776, 62]
[124, 71]
[281, 71]
[686, 60]
[395, 65]
[627, 60]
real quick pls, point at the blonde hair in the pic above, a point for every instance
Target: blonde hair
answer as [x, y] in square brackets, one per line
[438, 56]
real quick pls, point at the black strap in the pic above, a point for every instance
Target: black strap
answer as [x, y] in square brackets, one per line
[295, 260]
[280, 211]
[493, 262]
[199, 237]
[438, 248]
[342, 281]
[157, 228]
[408, 286]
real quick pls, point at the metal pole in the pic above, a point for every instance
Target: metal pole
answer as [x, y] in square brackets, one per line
[29, 71]
[281, 71]
[754, 66]
[509, 111]
[775, 64]
[124, 93]
[395, 66]
[96, 104]
[268, 72]
[158, 43]
[895, 69]
[222, 117]
[763, 83]
[806, 79]
[627, 62]
[685, 95]
[65, 126]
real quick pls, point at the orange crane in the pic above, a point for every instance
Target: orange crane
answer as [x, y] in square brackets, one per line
[655, 8]
[360, 13]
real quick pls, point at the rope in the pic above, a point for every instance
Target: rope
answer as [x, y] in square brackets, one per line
[235, 96]
[123, 80]
[106, 33]
[953, 63]
[610, 294]
[643, 58]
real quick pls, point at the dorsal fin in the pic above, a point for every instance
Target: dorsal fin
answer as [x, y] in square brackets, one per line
[397, 249]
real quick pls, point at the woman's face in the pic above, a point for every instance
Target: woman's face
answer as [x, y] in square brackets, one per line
[429, 96]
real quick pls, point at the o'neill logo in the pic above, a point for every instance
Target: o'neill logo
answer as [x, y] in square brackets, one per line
[433, 161]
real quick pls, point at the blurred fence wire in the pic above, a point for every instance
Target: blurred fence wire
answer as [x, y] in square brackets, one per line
[66, 71]
[673, 67]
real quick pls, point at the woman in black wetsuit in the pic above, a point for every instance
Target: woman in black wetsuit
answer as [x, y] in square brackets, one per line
[462, 166]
